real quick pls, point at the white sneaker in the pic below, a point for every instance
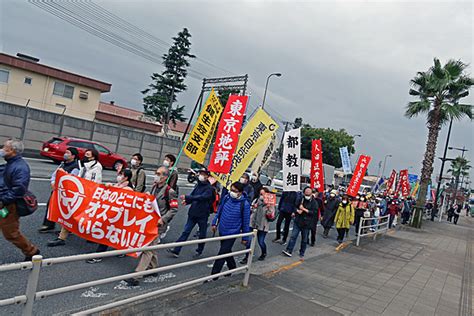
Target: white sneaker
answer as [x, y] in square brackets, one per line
[286, 253]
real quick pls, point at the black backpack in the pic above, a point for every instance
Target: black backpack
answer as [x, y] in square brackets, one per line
[27, 205]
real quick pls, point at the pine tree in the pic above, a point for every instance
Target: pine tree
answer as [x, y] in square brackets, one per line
[170, 82]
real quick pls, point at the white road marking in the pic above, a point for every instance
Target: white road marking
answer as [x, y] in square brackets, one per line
[41, 204]
[40, 179]
[38, 159]
[93, 292]
[160, 278]
[124, 286]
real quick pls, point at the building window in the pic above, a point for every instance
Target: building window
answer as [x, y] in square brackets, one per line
[63, 90]
[4, 74]
[28, 80]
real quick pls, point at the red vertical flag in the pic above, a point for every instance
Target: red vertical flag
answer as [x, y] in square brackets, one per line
[358, 175]
[404, 184]
[317, 171]
[390, 182]
[227, 136]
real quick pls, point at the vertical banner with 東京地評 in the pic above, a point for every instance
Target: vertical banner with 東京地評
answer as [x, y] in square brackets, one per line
[358, 176]
[317, 171]
[292, 160]
[404, 183]
[227, 135]
[200, 138]
[252, 140]
[345, 159]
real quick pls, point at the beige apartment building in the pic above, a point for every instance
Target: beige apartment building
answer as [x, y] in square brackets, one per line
[47, 88]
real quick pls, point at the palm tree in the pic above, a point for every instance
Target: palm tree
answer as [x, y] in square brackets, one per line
[459, 168]
[439, 91]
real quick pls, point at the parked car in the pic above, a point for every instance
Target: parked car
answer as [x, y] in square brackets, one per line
[277, 182]
[55, 148]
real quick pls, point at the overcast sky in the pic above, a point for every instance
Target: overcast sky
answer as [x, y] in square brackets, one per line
[345, 64]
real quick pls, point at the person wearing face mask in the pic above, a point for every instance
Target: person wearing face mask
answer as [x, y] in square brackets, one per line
[302, 224]
[314, 224]
[201, 200]
[138, 173]
[248, 189]
[256, 185]
[233, 217]
[16, 178]
[169, 162]
[167, 200]
[89, 169]
[124, 181]
[344, 218]
[69, 165]
[360, 209]
[330, 208]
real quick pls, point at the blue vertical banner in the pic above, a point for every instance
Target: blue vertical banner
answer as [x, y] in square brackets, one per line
[412, 178]
[346, 161]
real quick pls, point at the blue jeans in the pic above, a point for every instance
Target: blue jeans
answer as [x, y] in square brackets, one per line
[188, 227]
[294, 236]
[261, 241]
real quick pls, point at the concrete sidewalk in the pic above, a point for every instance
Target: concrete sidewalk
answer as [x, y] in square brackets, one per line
[407, 272]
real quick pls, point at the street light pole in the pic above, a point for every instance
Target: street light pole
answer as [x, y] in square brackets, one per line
[384, 163]
[463, 149]
[266, 87]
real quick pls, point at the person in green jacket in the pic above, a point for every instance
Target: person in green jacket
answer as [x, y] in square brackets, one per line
[344, 218]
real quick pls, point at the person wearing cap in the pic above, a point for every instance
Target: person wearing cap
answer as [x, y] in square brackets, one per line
[201, 200]
[70, 165]
[360, 209]
[330, 208]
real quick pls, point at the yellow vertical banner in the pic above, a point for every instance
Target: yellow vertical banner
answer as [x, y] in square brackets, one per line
[199, 139]
[252, 140]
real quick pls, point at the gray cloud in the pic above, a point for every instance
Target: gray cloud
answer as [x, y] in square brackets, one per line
[344, 64]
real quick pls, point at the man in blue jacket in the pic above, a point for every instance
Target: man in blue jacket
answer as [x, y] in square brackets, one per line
[201, 200]
[233, 217]
[16, 177]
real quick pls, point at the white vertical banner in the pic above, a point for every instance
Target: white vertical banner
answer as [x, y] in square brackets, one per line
[292, 160]
[346, 161]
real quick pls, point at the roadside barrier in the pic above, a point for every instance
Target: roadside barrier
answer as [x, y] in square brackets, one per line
[380, 226]
[31, 295]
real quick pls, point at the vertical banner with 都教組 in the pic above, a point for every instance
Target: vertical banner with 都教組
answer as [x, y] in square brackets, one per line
[345, 159]
[292, 160]
[200, 138]
[317, 171]
[358, 176]
[227, 136]
[404, 183]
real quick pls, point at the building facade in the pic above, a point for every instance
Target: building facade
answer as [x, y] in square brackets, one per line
[25, 81]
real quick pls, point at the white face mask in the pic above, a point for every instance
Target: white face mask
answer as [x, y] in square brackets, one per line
[201, 178]
[119, 179]
[234, 195]
[307, 197]
[134, 162]
[243, 180]
[166, 163]
[156, 179]
[332, 195]
[254, 178]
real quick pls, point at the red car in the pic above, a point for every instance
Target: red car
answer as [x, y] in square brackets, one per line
[56, 147]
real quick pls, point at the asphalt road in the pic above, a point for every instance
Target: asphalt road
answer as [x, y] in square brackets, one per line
[14, 283]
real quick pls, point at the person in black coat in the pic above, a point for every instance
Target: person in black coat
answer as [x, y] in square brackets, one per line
[256, 185]
[314, 224]
[330, 209]
[286, 208]
[304, 217]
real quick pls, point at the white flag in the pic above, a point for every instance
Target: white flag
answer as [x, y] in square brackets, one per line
[292, 160]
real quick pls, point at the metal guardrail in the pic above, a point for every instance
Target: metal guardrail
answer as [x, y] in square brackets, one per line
[32, 294]
[372, 229]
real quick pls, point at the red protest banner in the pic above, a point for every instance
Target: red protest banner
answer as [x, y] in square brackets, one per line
[391, 181]
[110, 216]
[317, 171]
[270, 199]
[358, 176]
[404, 184]
[227, 136]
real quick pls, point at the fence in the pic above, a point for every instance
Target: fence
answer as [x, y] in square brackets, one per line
[38, 263]
[373, 229]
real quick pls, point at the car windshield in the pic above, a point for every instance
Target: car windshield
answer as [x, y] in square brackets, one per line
[279, 175]
[55, 141]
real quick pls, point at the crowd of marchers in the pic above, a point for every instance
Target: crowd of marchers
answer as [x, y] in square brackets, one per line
[213, 209]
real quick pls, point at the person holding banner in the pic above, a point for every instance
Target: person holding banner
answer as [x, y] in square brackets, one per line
[89, 169]
[167, 200]
[303, 218]
[261, 211]
[233, 217]
[201, 200]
